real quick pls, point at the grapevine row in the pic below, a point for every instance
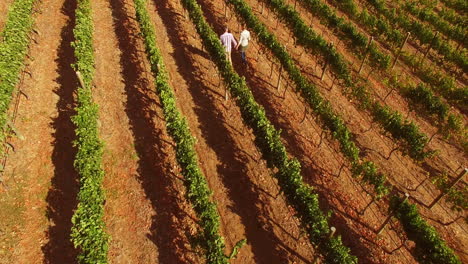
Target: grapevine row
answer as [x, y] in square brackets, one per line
[427, 15]
[431, 248]
[423, 34]
[198, 191]
[433, 104]
[427, 240]
[419, 95]
[423, 97]
[440, 82]
[321, 106]
[267, 139]
[14, 42]
[460, 5]
[412, 140]
[452, 17]
[88, 231]
[359, 41]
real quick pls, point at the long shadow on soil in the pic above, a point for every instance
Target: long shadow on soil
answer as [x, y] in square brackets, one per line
[61, 198]
[232, 169]
[311, 172]
[154, 167]
[263, 94]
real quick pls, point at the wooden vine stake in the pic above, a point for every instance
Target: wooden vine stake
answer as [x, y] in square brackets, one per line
[401, 48]
[80, 79]
[226, 94]
[382, 227]
[325, 67]
[332, 231]
[429, 48]
[278, 85]
[324, 70]
[305, 114]
[365, 55]
[438, 198]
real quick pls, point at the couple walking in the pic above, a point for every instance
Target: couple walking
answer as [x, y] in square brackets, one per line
[227, 39]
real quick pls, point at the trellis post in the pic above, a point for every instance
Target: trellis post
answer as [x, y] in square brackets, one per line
[429, 48]
[365, 55]
[444, 192]
[382, 227]
[401, 48]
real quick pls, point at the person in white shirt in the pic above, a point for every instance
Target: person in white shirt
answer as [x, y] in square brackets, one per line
[243, 43]
[227, 39]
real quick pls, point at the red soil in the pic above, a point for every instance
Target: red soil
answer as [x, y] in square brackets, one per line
[42, 162]
[4, 5]
[146, 213]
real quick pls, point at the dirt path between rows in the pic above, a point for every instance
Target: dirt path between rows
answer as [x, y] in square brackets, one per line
[40, 172]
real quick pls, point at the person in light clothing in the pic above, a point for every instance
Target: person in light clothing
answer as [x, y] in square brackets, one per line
[227, 39]
[243, 43]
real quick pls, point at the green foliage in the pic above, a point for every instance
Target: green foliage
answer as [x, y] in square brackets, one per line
[440, 83]
[427, 15]
[457, 196]
[236, 248]
[345, 30]
[410, 138]
[267, 139]
[310, 93]
[454, 123]
[88, 230]
[198, 191]
[408, 131]
[430, 248]
[380, 27]
[459, 5]
[422, 95]
[14, 42]
[423, 34]
[391, 120]
[453, 18]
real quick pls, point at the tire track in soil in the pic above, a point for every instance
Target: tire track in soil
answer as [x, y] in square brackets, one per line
[316, 168]
[403, 172]
[146, 212]
[42, 162]
[406, 166]
[241, 190]
[4, 7]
